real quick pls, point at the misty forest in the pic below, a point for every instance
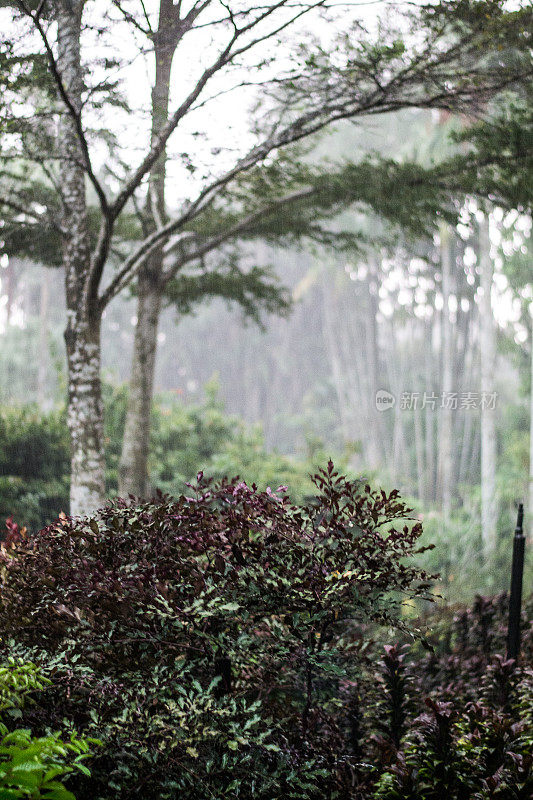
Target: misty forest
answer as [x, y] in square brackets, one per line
[266, 408]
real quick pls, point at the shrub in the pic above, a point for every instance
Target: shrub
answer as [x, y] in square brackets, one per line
[35, 453]
[34, 465]
[207, 640]
[187, 438]
[462, 754]
[393, 700]
[472, 739]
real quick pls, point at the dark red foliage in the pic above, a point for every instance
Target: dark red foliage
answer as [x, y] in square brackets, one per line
[228, 583]
[140, 607]
[395, 697]
[15, 534]
[337, 557]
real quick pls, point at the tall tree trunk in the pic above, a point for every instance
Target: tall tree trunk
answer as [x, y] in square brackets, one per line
[85, 415]
[335, 360]
[471, 372]
[43, 339]
[446, 426]
[375, 429]
[353, 360]
[133, 469]
[530, 509]
[133, 473]
[488, 413]
[429, 413]
[396, 373]
[82, 334]
[10, 284]
[418, 426]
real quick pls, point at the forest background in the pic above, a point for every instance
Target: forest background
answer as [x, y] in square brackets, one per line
[376, 356]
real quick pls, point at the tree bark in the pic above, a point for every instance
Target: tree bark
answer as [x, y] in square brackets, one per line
[489, 504]
[419, 452]
[430, 494]
[42, 366]
[133, 469]
[82, 334]
[469, 356]
[530, 509]
[337, 370]
[373, 363]
[446, 426]
[10, 284]
[396, 373]
[85, 416]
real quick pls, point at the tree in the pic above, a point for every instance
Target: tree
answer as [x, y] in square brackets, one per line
[311, 214]
[447, 349]
[489, 516]
[451, 65]
[530, 497]
[510, 126]
[134, 471]
[156, 279]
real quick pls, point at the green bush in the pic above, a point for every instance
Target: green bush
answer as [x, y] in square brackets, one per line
[33, 768]
[34, 466]
[459, 557]
[227, 644]
[35, 454]
[188, 438]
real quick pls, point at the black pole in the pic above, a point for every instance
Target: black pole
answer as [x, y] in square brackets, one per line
[515, 600]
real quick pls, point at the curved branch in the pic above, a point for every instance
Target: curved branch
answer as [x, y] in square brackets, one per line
[137, 259]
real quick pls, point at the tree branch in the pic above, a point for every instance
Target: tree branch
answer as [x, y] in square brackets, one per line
[225, 57]
[23, 209]
[73, 112]
[148, 31]
[137, 259]
[240, 227]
